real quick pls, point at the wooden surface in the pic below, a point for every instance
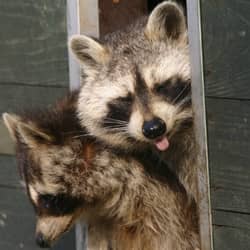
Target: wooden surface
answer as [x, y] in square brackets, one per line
[33, 72]
[18, 97]
[231, 230]
[32, 42]
[15, 98]
[226, 40]
[17, 219]
[116, 14]
[229, 144]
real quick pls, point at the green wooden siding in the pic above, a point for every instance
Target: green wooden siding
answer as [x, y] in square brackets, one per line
[32, 42]
[226, 39]
[33, 72]
[17, 218]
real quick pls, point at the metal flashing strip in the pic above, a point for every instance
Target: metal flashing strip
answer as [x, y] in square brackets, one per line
[198, 99]
[73, 27]
[82, 18]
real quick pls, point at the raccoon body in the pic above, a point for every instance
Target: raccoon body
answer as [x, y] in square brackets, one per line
[71, 175]
[136, 90]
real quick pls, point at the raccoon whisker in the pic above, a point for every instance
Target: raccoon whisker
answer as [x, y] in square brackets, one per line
[111, 124]
[81, 135]
[119, 130]
[118, 127]
[114, 121]
[184, 101]
[179, 95]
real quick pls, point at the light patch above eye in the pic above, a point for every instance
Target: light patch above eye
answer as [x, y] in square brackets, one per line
[174, 62]
[33, 194]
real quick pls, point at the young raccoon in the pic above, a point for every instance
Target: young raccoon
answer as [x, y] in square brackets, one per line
[136, 90]
[69, 175]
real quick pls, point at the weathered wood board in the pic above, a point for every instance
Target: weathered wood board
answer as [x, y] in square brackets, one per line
[231, 230]
[14, 98]
[18, 97]
[33, 72]
[17, 223]
[229, 147]
[33, 42]
[226, 42]
[9, 176]
[226, 36]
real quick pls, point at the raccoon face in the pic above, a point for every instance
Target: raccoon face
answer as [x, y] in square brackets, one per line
[137, 87]
[56, 214]
[44, 168]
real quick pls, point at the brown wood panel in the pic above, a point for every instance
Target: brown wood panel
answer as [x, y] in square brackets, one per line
[116, 14]
[33, 42]
[226, 39]
[229, 157]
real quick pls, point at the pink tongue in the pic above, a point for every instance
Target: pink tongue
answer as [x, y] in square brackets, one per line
[162, 144]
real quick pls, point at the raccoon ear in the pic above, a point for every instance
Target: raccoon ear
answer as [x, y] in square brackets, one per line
[167, 21]
[31, 135]
[89, 52]
[11, 121]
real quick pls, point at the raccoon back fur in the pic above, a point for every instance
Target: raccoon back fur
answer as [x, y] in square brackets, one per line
[70, 175]
[136, 90]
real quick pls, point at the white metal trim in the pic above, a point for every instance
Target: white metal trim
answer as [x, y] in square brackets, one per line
[198, 100]
[82, 18]
[73, 25]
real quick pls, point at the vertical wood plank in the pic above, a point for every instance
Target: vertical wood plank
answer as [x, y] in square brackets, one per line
[198, 97]
[89, 17]
[116, 14]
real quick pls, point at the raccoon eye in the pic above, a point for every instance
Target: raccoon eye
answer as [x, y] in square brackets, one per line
[163, 88]
[47, 201]
[119, 110]
[174, 90]
[59, 204]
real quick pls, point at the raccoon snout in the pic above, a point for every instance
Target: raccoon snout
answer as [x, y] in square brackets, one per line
[154, 128]
[41, 241]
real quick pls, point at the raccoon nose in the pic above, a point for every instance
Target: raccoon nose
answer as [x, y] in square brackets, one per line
[154, 128]
[41, 241]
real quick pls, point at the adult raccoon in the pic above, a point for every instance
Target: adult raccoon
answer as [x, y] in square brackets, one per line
[137, 89]
[70, 175]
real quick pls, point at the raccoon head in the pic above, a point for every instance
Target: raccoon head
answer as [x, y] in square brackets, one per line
[44, 166]
[136, 90]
